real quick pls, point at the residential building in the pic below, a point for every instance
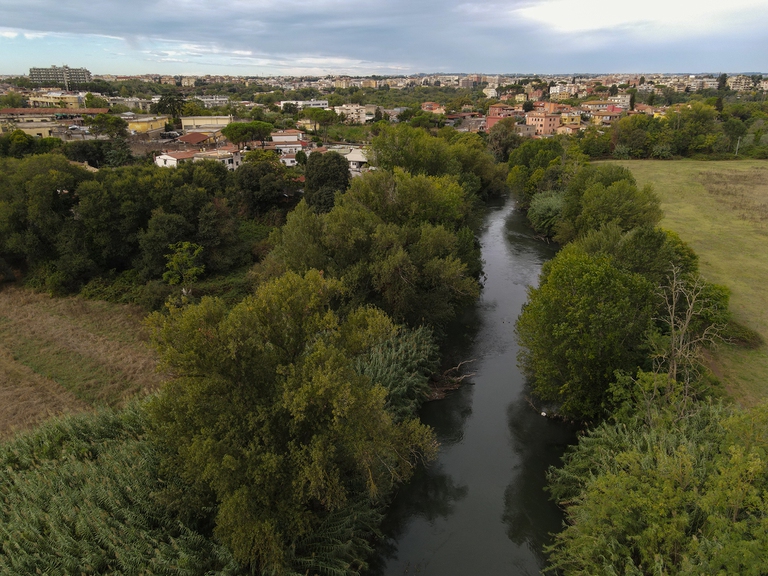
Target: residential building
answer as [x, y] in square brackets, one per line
[301, 104]
[342, 83]
[596, 105]
[621, 100]
[197, 138]
[497, 112]
[59, 75]
[739, 83]
[357, 159]
[213, 101]
[56, 100]
[572, 118]
[133, 103]
[525, 130]
[606, 118]
[191, 122]
[544, 123]
[45, 122]
[229, 157]
[285, 136]
[288, 160]
[143, 123]
[173, 159]
[433, 107]
[569, 129]
[354, 113]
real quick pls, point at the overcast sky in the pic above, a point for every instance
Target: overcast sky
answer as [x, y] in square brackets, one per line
[361, 37]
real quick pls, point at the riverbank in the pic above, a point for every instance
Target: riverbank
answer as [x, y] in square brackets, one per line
[721, 210]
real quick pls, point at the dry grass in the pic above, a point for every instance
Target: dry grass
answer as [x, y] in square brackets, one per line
[721, 210]
[69, 354]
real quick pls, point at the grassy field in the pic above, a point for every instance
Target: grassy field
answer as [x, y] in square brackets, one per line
[67, 355]
[721, 210]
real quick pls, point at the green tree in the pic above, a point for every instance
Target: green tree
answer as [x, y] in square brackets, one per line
[413, 150]
[326, 174]
[183, 266]
[82, 493]
[241, 132]
[322, 118]
[396, 240]
[621, 203]
[269, 424]
[12, 100]
[171, 104]
[162, 230]
[502, 139]
[262, 180]
[674, 488]
[92, 101]
[108, 125]
[586, 320]
[734, 129]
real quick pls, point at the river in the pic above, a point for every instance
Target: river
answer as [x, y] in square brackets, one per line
[480, 508]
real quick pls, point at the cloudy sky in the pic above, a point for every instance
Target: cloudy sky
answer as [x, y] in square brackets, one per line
[265, 37]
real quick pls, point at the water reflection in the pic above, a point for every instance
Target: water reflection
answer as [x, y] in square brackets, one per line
[538, 443]
[431, 494]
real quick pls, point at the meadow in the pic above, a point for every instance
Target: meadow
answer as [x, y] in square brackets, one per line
[721, 209]
[65, 355]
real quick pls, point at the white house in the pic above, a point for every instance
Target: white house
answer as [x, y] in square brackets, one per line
[173, 159]
[284, 136]
[357, 160]
[230, 157]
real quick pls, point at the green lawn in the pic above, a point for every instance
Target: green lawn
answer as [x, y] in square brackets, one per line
[721, 210]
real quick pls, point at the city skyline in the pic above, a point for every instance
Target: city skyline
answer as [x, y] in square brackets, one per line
[299, 37]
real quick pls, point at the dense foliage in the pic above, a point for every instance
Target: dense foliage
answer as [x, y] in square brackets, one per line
[398, 241]
[63, 226]
[464, 156]
[674, 487]
[668, 481]
[81, 495]
[269, 422]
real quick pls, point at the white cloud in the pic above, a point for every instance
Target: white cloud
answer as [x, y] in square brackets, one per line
[651, 18]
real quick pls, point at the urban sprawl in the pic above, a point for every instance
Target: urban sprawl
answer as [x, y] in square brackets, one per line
[54, 104]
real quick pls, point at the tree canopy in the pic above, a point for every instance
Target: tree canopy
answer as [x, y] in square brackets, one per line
[268, 419]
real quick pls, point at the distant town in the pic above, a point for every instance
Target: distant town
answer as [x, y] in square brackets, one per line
[180, 118]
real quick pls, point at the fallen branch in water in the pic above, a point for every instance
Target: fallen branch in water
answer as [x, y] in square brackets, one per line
[449, 380]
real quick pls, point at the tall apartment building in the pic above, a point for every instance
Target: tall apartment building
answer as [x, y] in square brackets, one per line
[59, 75]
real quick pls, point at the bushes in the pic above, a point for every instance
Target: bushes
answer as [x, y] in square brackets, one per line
[81, 494]
[677, 486]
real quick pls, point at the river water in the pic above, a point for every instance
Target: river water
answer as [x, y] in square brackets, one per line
[480, 508]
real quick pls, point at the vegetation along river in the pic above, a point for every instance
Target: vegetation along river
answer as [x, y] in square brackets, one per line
[481, 508]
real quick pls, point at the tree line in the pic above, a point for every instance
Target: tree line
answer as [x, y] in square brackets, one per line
[667, 478]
